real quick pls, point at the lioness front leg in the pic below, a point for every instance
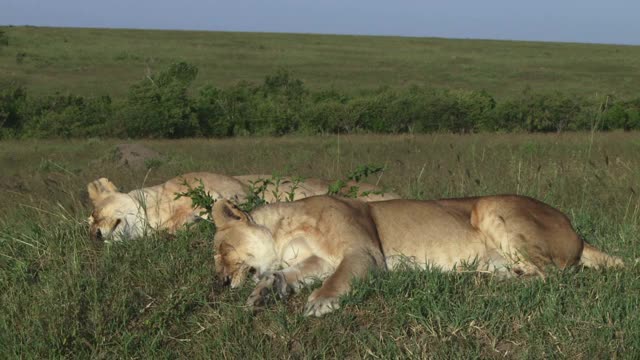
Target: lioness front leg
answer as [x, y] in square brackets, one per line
[289, 280]
[327, 298]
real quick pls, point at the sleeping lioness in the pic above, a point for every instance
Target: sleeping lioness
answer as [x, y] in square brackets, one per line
[118, 215]
[288, 245]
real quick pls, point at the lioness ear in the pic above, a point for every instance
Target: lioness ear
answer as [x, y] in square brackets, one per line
[100, 189]
[225, 212]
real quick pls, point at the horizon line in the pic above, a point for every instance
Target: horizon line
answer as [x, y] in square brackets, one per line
[320, 33]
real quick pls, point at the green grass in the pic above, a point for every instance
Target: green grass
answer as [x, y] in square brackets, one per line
[66, 296]
[101, 61]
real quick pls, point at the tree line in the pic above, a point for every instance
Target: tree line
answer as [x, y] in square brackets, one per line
[164, 105]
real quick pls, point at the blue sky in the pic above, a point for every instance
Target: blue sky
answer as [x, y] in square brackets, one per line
[595, 21]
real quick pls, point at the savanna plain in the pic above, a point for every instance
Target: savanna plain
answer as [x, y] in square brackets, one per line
[94, 62]
[66, 296]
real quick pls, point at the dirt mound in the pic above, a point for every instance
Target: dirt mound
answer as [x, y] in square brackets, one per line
[135, 155]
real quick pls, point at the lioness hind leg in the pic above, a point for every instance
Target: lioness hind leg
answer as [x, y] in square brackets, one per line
[511, 252]
[289, 280]
[505, 267]
[530, 234]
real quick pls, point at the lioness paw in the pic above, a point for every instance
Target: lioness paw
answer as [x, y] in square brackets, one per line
[321, 305]
[262, 291]
[270, 284]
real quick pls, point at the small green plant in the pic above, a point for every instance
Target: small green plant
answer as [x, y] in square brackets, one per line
[291, 194]
[255, 197]
[277, 181]
[259, 188]
[335, 188]
[364, 171]
[200, 198]
[360, 173]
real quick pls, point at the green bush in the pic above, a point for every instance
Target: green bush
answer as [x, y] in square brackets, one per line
[476, 110]
[540, 113]
[273, 115]
[237, 103]
[12, 101]
[385, 112]
[615, 117]
[212, 113]
[436, 110]
[68, 116]
[279, 103]
[551, 112]
[159, 107]
[633, 115]
[325, 117]
[4, 38]
[622, 115]
[272, 108]
[510, 115]
[283, 84]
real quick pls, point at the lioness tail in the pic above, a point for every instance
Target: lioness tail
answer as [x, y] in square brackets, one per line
[594, 258]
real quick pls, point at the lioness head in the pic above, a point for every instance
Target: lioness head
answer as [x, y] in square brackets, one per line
[115, 215]
[242, 247]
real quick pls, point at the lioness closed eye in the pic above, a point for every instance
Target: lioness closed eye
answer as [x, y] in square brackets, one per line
[288, 245]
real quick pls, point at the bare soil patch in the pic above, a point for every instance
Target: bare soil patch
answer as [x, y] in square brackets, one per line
[135, 155]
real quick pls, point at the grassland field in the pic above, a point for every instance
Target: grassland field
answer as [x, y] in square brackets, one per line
[65, 296]
[93, 62]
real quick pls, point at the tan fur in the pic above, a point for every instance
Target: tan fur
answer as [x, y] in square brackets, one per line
[131, 215]
[333, 239]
